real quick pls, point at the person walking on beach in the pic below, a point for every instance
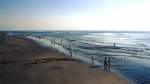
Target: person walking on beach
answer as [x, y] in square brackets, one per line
[92, 60]
[51, 42]
[70, 51]
[105, 63]
[61, 42]
[54, 42]
[109, 64]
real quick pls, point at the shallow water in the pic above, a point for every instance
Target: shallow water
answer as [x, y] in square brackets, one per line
[130, 57]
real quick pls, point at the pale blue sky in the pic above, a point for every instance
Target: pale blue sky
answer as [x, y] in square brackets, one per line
[74, 15]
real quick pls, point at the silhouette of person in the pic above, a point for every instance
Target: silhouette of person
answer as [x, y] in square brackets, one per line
[61, 41]
[114, 44]
[105, 63]
[54, 42]
[51, 41]
[92, 60]
[109, 64]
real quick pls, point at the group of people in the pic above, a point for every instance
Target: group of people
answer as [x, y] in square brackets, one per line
[107, 63]
[53, 41]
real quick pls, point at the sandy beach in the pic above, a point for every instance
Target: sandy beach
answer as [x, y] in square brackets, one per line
[23, 61]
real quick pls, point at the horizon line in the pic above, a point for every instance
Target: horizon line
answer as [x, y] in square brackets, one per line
[75, 31]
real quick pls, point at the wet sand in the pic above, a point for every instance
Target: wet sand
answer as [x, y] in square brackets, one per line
[23, 61]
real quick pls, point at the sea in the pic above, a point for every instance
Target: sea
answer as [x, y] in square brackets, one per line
[129, 51]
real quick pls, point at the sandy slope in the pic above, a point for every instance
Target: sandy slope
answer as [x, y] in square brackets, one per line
[23, 61]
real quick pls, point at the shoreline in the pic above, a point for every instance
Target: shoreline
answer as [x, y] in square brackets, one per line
[85, 60]
[57, 67]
